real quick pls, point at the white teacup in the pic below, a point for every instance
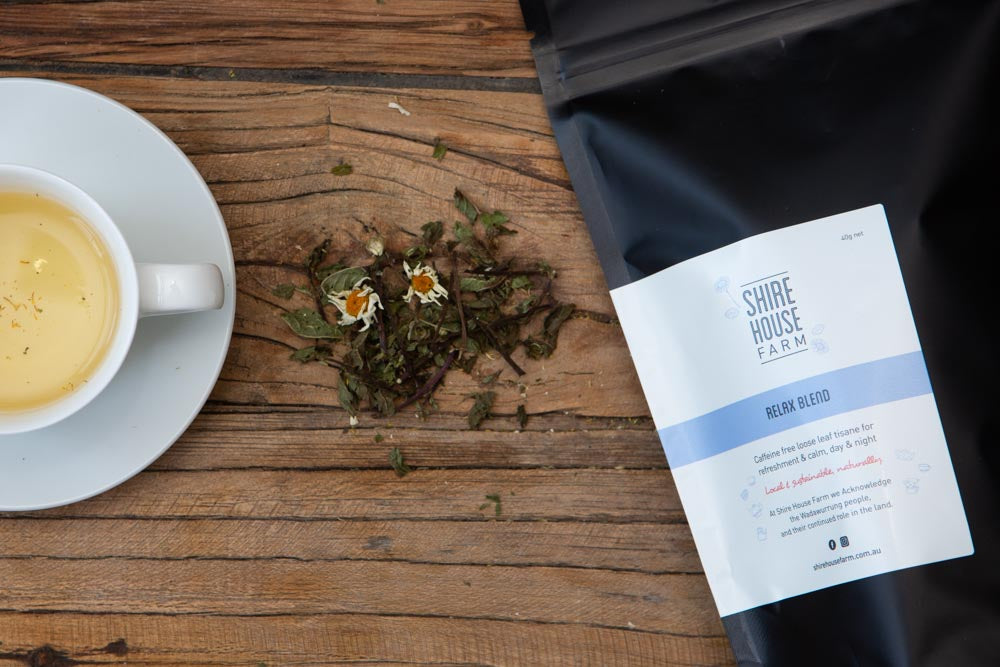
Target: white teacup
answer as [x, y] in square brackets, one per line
[144, 290]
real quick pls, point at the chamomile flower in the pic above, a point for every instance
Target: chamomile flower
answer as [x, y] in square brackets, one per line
[356, 304]
[424, 284]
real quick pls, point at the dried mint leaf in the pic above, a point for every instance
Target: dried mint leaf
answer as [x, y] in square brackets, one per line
[311, 353]
[342, 169]
[483, 403]
[397, 462]
[522, 417]
[545, 343]
[521, 282]
[309, 324]
[348, 400]
[490, 379]
[467, 208]
[432, 232]
[494, 224]
[440, 148]
[343, 280]
[492, 498]
[284, 291]
[472, 284]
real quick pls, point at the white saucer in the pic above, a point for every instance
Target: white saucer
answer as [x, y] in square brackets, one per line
[167, 214]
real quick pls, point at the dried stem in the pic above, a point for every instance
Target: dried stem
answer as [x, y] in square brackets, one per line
[496, 345]
[431, 383]
[456, 288]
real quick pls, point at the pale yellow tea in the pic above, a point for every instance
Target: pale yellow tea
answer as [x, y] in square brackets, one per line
[58, 301]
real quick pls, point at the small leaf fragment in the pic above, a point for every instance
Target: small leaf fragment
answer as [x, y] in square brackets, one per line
[311, 353]
[309, 324]
[472, 284]
[432, 231]
[483, 403]
[521, 282]
[492, 498]
[397, 462]
[440, 148]
[467, 208]
[284, 291]
[342, 169]
[347, 399]
[522, 417]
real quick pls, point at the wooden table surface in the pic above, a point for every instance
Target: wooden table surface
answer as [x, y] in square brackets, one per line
[273, 534]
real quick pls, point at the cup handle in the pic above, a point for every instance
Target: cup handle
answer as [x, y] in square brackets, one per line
[167, 289]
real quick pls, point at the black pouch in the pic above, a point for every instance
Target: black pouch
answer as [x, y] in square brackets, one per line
[692, 125]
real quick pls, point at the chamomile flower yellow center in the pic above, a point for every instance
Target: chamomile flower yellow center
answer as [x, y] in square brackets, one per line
[422, 283]
[357, 301]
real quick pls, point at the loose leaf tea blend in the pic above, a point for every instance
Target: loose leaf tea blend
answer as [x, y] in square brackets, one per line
[791, 201]
[394, 324]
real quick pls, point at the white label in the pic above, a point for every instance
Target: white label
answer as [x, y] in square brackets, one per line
[786, 380]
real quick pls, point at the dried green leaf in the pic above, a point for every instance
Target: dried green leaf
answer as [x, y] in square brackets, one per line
[397, 462]
[284, 291]
[490, 379]
[525, 305]
[467, 208]
[309, 324]
[440, 148]
[521, 282]
[493, 219]
[483, 403]
[555, 319]
[417, 252]
[347, 398]
[311, 353]
[463, 232]
[522, 417]
[471, 284]
[343, 279]
[547, 269]
[379, 437]
[382, 402]
[494, 224]
[342, 169]
[432, 232]
[492, 498]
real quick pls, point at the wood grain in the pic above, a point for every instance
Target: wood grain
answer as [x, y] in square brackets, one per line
[651, 548]
[428, 495]
[273, 533]
[402, 36]
[309, 640]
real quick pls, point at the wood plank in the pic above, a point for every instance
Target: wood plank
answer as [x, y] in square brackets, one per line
[650, 548]
[667, 603]
[397, 36]
[227, 437]
[308, 640]
[426, 495]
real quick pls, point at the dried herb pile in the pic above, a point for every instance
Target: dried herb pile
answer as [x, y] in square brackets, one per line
[394, 324]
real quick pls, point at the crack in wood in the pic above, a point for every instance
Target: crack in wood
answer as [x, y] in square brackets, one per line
[302, 76]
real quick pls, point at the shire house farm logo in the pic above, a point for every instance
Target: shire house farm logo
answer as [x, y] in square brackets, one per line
[774, 322]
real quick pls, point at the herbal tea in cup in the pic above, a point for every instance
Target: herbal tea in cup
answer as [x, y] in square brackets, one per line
[59, 300]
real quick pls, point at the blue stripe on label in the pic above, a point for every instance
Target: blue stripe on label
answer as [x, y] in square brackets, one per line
[851, 388]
